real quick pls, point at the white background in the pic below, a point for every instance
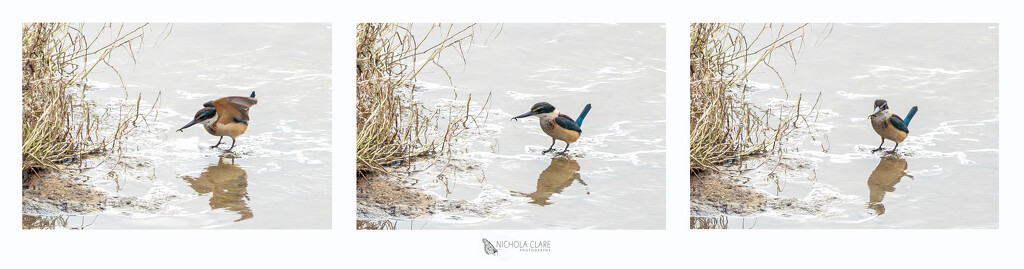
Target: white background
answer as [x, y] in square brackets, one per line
[675, 247]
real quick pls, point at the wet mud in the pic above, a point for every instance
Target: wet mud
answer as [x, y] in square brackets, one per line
[384, 198]
[716, 195]
[713, 195]
[56, 194]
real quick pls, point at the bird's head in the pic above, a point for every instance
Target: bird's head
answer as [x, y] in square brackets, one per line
[539, 109]
[204, 116]
[881, 106]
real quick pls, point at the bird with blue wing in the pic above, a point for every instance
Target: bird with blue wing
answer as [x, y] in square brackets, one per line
[890, 126]
[557, 126]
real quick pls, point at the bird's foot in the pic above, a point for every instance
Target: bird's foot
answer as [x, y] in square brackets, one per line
[876, 150]
[546, 151]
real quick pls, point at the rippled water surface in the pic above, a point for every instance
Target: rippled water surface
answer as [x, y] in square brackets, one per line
[945, 174]
[612, 178]
[279, 174]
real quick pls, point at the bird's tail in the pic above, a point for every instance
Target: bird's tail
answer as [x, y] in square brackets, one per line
[253, 95]
[579, 120]
[910, 115]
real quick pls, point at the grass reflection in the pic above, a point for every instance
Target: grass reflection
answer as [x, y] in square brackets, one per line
[54, 222]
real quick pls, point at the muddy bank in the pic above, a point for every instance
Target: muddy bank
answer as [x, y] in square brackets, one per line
[57, 194]
[383, 198]
[712, 195]
[717, 195]
[54, 194]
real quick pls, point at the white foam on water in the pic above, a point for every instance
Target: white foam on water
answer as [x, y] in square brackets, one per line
[584, 88]
[854, 96]
[521, 96]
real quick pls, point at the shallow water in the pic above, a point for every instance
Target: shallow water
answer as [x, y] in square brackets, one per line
[612, 178]
[279, 174]
[945, 175]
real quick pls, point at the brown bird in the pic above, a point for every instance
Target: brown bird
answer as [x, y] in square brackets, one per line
[227, 116]
[888, 125]
[556, 125]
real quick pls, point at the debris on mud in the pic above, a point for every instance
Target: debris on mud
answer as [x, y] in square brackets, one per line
[55, 193]
[382, 198]
[712, 196]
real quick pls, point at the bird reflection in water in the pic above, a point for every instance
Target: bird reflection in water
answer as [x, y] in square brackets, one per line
[227, 183]
[559, 175]
[889, 171]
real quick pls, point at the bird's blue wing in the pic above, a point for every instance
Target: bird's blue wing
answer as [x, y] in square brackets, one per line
[567, 123]
[897, 122]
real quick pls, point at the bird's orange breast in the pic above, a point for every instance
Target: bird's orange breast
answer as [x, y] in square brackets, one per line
[551, 128]
[884, 129]
[232, 129]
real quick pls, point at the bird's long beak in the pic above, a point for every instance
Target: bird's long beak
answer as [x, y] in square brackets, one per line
[527, 114]
[877, 109]
[193, 122]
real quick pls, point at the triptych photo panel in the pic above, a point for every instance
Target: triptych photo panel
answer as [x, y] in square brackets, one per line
[511, 142]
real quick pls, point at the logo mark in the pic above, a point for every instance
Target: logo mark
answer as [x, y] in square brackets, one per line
[489, 249]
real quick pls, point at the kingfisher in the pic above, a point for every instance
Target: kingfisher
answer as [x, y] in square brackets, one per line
[557, 126]
[227, 116]
[890, 126]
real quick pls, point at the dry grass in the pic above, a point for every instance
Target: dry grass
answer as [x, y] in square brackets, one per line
[391, 128]
[58, 125]
[723, 126]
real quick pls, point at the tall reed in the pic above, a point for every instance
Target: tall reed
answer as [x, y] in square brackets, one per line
[724, 127]
[58, 124]
[391, 127]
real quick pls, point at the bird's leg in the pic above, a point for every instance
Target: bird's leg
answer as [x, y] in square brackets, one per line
[880, 146]
[218, 142]
[551, 147]
[566, 148]
[232, 144]
[894, 148]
